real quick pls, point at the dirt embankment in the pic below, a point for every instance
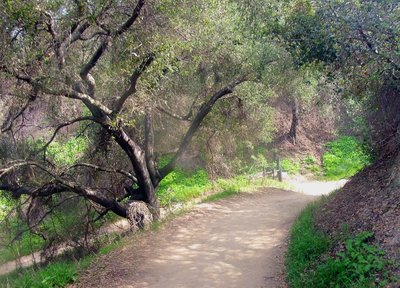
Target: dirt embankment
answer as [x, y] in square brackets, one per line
[369, 202]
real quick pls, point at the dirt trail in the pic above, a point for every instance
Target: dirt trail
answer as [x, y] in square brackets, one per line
[236, 242]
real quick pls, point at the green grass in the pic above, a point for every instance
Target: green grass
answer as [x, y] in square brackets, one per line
[181, 186]
[305, 247]
[57, 274]
[310, 263]
[221, 195]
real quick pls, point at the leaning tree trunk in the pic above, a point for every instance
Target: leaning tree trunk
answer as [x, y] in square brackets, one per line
[295, 121]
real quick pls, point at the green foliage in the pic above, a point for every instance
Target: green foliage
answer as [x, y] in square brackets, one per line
[306, 37]
[69, 152]
[290, 166]
[61, 152]
[53, 275]
[311, 164]
[344, 158]
[309, 262]
[180, 186]
[6, 204]
[26, 243]
[359, 265]
[260, 163]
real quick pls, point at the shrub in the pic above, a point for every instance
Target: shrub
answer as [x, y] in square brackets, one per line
[290, 166]
[311, 164]
[345, 157]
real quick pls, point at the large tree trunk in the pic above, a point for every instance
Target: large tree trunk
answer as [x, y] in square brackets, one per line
[138, 159]
[295, 121]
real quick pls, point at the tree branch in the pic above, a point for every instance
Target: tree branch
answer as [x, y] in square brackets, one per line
[92, 62]
[201, 114]
[104, 45]
[65, 124]
[132, 19]
[103, 169]
[132, 85]
[86, 99]
[7, 125]
[175, 116]
[149, 145]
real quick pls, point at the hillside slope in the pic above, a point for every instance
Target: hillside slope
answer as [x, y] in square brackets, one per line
[369, 202]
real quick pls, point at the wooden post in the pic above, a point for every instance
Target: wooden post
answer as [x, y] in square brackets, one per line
[278, 167]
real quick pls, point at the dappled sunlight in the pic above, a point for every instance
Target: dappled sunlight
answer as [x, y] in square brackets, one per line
[231, 246]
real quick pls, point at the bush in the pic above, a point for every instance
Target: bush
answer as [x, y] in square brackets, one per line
[290, 166]
[345, 157]
[311, 164]
[359, 265]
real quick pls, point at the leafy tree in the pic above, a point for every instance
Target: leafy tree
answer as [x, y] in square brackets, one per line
[109, 71]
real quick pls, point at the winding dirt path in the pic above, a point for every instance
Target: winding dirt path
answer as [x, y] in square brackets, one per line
[236, 242]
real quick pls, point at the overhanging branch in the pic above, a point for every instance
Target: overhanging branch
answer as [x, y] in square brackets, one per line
[201, 114]
[132, 83]
[103, 169]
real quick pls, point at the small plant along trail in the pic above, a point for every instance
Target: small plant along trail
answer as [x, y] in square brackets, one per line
[235, 242]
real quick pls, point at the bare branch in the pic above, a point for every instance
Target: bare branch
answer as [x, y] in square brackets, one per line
[55, 188]
[103, 169]
[93, 35]
[43, 191]
[201, 114]
[132, 85]
[21, 77]
[15, 165]
[65, 124]
[92, 62]
[175, 116]
[132, 19]
[89, 101]
[104, 45]
[9, 123]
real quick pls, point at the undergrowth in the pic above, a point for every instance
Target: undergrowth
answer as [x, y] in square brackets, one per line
[310, 263]
[59, 273]
[181, 186]
[290, 166]
[345, 157]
